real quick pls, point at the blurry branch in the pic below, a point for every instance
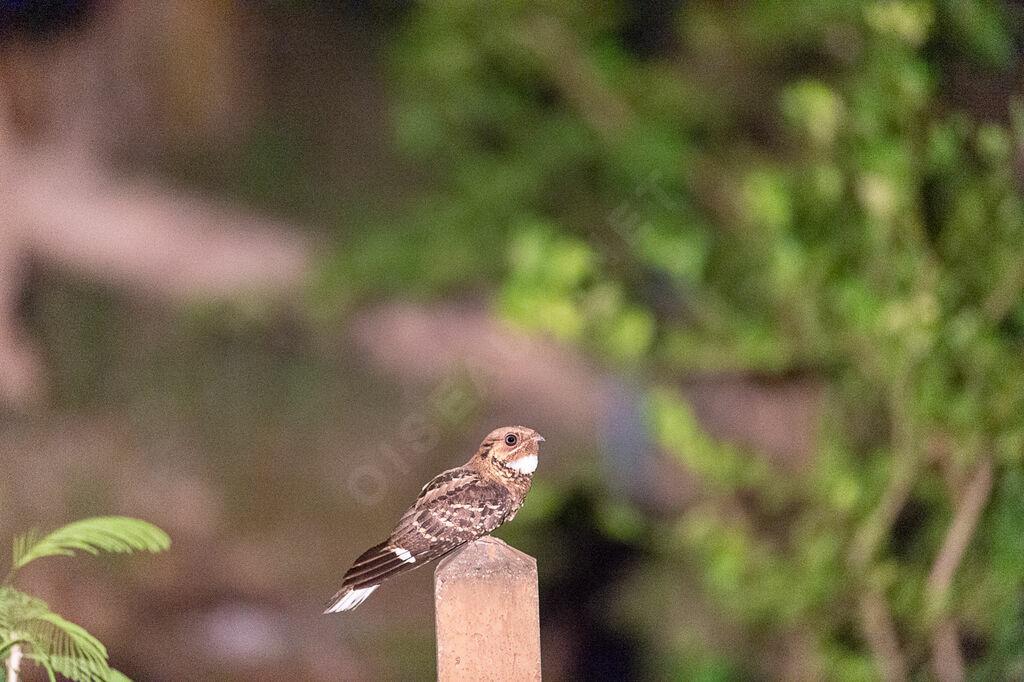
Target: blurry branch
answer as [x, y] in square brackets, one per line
[947, 662]
[878, 629]
[965, 520]
[577, 78]
[906, 462]
[871, 533]
[876, 621]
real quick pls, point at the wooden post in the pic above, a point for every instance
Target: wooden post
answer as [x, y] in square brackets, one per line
[487, 615]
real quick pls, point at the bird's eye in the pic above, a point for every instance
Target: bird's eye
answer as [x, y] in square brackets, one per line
[510, 439]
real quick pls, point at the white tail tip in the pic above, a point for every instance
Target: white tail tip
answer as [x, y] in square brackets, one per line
[351, 600]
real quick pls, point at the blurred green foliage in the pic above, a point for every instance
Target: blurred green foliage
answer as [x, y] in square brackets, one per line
[29, 629]
[832, 191]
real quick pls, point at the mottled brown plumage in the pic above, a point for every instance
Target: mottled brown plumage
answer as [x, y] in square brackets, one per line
[454, 508]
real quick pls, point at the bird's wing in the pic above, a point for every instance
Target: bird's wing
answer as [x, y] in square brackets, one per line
[455, 507]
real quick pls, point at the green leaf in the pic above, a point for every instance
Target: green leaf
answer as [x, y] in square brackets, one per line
[55, 644]
[18, 608]
[62, 638]
[75, 669]
[117, 676]
[108, 534]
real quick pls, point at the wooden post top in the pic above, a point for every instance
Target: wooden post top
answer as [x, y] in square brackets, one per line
[487, 617]
[485, 556]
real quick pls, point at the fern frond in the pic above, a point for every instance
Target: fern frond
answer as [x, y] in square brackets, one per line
[60, 646]
[74, 669]
[55, 644]
[56, 636]
[18, 608]
[101, 534]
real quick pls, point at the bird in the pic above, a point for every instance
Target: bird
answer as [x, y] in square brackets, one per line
[457, 506]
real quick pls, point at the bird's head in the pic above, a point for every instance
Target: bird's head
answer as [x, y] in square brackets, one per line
[511, 450]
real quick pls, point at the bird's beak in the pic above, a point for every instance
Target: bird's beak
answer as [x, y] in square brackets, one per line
[538, 438]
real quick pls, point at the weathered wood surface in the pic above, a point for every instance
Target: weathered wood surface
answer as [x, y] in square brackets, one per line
[487, 614]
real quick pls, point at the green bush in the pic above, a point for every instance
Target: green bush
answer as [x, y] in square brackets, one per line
[774, 191]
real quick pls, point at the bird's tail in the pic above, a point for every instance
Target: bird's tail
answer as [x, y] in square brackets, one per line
[371, 568]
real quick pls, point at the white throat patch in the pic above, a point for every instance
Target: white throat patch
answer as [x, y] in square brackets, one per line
[524, 465]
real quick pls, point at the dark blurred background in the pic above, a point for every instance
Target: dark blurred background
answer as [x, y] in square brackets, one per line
[755, 271]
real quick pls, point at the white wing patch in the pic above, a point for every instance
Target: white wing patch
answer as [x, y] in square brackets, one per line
[404, 555]
[351, 600]
[524, 465]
